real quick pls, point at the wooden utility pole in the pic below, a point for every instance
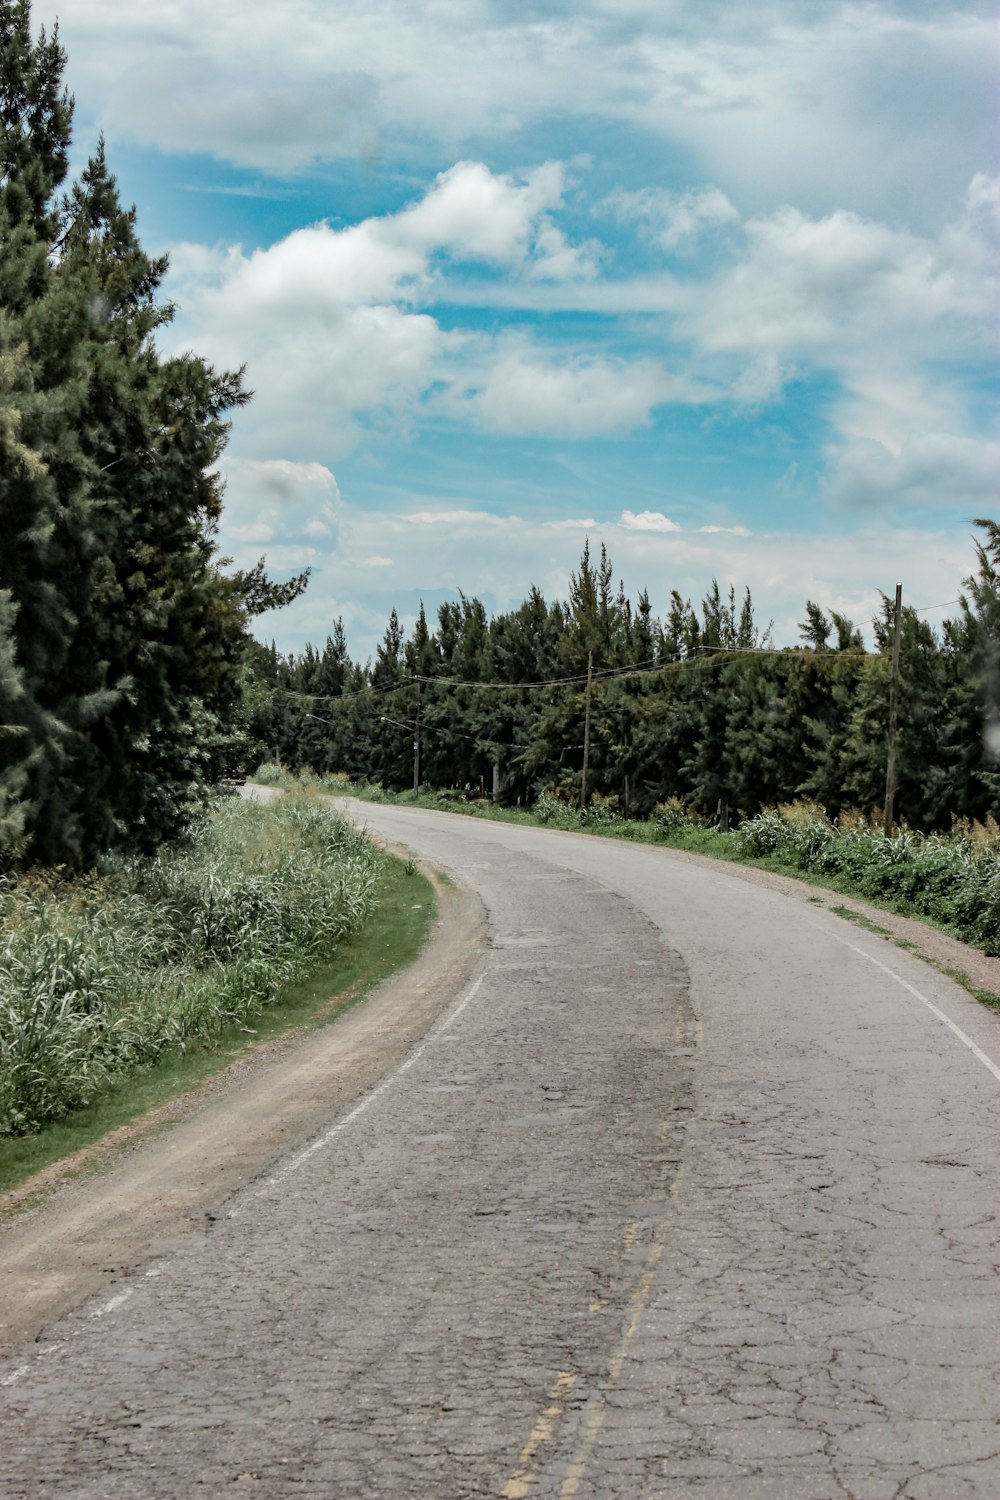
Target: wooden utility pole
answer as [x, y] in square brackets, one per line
[586, 730]
[416, 745]
[890, 770]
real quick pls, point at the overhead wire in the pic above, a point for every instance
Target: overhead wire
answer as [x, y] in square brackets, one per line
[646, 668]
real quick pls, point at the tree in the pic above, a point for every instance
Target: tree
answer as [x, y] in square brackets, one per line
[125, 634]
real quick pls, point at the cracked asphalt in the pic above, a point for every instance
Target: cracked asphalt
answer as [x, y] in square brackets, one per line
[687, 1190]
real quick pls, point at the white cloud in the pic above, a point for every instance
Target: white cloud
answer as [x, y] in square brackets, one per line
[479, 215]
[886, 316]
[783, 102]
[498, 557]
[339, 346]
[647, 520]
[557, 260]
[929, 468]
[674, 221]
[327, 323]
[823, 286]
[525, 390]
[291, 509]
[452, 518]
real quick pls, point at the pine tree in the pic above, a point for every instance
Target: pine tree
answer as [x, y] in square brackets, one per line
[126, 637]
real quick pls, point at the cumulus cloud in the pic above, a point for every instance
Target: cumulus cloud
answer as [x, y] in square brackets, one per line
[330, 324]
[279, 505]
[452, 518]
[926, 469]
[647, 520]
[885, 316]
[345, 335]
[498, 556]
[524, 390]
[806, 284]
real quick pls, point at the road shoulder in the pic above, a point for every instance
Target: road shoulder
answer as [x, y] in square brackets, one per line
[129, 1200]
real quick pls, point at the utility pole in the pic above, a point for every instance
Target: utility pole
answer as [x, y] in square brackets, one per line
[890, 772]
[586, 731]
[416, 745]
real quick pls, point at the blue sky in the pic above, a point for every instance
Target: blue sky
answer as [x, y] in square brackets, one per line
[712, 283]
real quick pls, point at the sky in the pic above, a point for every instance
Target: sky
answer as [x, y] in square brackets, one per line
[713, 284]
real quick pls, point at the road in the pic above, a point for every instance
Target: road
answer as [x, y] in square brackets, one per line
[688, 1190]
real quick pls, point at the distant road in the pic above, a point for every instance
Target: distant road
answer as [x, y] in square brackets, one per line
[689, 1190]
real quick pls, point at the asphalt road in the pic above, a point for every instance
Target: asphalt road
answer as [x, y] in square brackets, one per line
[688, 1190]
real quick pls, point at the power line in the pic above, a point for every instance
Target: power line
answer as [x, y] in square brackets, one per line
[647, 668]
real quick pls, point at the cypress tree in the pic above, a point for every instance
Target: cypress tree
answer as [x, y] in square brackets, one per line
[121, 638]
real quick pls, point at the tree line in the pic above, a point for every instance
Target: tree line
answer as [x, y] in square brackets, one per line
[697, 705]
[128, 678]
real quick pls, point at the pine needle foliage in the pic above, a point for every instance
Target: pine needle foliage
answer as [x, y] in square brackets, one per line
[698, 708]
[120, 638]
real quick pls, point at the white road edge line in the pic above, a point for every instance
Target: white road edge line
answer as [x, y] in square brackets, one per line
[976, 1050]
[341, 1125]
[16, 1376]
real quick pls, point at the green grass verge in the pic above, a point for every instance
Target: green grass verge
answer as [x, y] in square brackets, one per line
[390, 939]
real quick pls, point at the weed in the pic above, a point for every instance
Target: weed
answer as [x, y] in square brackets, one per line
[102, 977]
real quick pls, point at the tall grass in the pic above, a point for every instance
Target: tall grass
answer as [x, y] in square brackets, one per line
[104, 975]
[952, 878]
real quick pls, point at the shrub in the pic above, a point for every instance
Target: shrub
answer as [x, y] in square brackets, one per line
[270, 774]
[673, 817]
[952, 879]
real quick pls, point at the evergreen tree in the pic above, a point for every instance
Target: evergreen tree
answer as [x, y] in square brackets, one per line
[126, 636]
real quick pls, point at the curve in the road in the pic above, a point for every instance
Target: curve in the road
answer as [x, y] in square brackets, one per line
[690, 1192]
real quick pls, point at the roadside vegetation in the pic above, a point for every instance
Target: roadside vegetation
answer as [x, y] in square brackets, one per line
[106, 975]
[952, 880]
[594, 695]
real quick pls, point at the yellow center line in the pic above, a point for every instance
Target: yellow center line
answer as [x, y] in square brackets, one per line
[594, 1418]
[523, 1477]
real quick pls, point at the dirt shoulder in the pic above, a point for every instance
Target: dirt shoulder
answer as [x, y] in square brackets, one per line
[138, 1193]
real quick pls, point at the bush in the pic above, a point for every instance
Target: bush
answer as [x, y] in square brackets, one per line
[953, 879]
[672, 817]
[270, 774]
